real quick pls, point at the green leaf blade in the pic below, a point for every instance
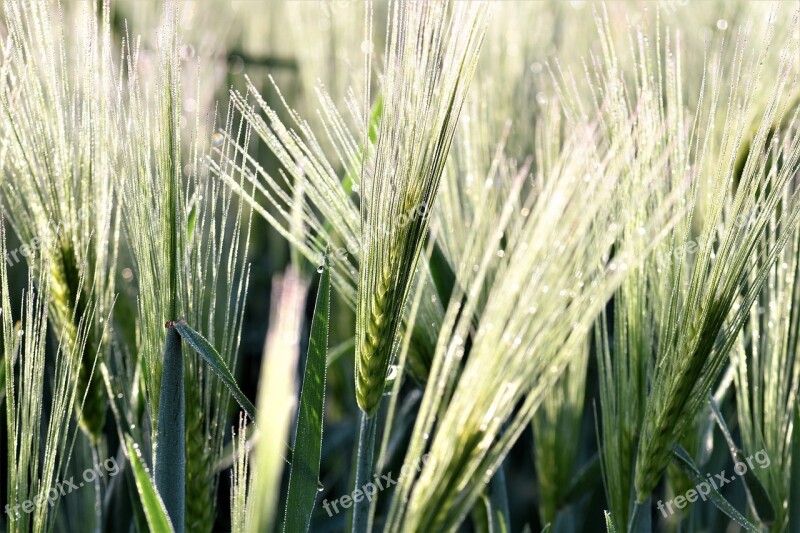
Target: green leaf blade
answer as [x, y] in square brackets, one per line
[757, 494]
[205, 350]
[153, 505]
[684, 461]
[304, 473]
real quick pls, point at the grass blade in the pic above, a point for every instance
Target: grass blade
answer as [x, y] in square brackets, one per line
[304, 474]
[585, 481]
[757, 494]
[684, 461]
[217, 364]
[154, 510]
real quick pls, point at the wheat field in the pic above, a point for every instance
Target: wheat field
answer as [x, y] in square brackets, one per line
[400, 266]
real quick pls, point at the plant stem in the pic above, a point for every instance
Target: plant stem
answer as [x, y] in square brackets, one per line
[640, 521]
[366, 450]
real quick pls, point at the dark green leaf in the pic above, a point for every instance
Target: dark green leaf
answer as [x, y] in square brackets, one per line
[584, 482]
[444, 279]
[684, 461]
[212, 357]
[170, 452]
[757, 494]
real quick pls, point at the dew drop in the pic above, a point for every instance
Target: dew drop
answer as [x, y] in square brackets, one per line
[217, 138]
[320, 269]
[722, 24]
[20, 333]
[501, 253]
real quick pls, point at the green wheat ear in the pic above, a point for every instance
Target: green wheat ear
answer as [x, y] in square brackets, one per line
[68, 296]
[58, 172]
[423, 95]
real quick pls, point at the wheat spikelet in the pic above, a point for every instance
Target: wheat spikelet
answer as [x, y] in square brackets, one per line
[425, 88]
[60, 196]
[723, 284]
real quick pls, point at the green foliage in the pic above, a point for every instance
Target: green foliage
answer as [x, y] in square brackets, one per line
[154, 509]
[304, 474]
[216, 363]
[568, 228]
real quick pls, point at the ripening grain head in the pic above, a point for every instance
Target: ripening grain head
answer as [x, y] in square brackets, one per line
[430, 56]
